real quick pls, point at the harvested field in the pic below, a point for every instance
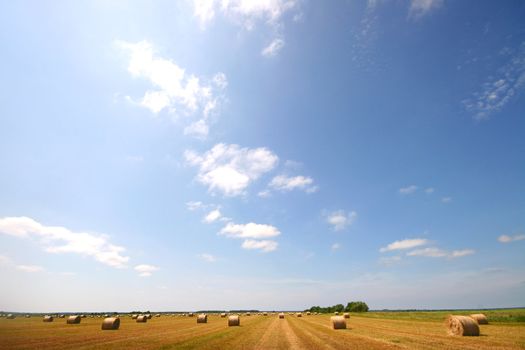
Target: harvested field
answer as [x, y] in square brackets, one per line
[259, 332]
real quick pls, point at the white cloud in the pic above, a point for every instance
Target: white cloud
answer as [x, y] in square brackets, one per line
[264, 245]
[340, 220]
[176, 91]
[408, 190]
[336, 246]
[145, 270]
[285, 183]
[4, 260]
[500, 87]
[420, 8]
[273, 48]
[264, 194]
[433, 252]
[429, 190]
[30, 268]
[508, 239]
[250, 230]
[194, 205]
[243, 12]
[404, 244]
[56, 239]
[207, 257]
[229, 168]
[389, 260]
[446, 199]
[212, 216]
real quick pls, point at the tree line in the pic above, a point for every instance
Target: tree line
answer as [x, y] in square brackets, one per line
[352, 306]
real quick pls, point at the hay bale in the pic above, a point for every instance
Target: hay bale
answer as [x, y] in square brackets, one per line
[338, 322]
[73, 319]
[461, 325]
[308, 313]
[134, 316]
[10, 317]
[265, 314]
[82, 316]
[480, 318]
[202, 318]
[190, 314]
[142, 319]
[248, 314]
[281, 315]
[157, 315]
[47, 318]
[223, 314]
[336, 313]
[110, 323]
[148, 316]
[234, 320]
[62, 316]
[346, 315]
[299, 314]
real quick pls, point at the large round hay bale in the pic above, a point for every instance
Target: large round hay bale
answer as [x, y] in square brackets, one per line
[223, 314]
[338, 322]
[461, 325]
[248, 314]
[142, 319]
[346, 315]
[299, 314]
[73, 319]
[134, 316]
[308, 313]
[157, 315]
[281, 315]
[10, 317]
[480, 318]
[190, 314]
[234, 320]
[265, 314]
[148, 316]
[202, 318]
[47, 318]
[110, 323]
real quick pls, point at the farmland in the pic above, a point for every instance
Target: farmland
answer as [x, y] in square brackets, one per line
[374, 330]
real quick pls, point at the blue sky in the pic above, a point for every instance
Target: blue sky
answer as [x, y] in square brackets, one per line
[272, 154]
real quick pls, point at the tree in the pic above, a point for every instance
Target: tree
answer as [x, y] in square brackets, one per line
[356, 306]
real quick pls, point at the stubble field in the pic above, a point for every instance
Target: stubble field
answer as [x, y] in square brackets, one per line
[379, 330]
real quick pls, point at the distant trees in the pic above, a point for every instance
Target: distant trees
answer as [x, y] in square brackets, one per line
[352, 306]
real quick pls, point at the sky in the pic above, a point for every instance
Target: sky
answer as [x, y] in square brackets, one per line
[272, 154]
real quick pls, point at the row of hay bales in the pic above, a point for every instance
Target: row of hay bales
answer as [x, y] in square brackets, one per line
[465, 325]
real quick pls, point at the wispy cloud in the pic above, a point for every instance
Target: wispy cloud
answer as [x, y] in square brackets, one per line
[285, 183]
[420, 8]
[500, 87]
[446, 199]
[174, 90]
[335, 246]
[433, 252]
[430, 190]
[230, 169]
[30, 268]
[404, 244]
[194, 205]
[340, 219]
[253, 234]
[509, 239]
[56, 239]
[207, 257]
[408, 190]
[273, 48]
[264, 245]
[145, 270]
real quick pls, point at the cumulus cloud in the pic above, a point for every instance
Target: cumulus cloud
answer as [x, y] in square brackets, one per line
[288, 183]
[212, 216]
[30, 268]
[340, 219]
[229, 168]
[408, 190]
[56, 239]
[207, 257]
[420, 8]
[253, 234]
[264, 245]
[404, 244]
[273, 48]
[145, 270]
[174, 90]
[509, 239]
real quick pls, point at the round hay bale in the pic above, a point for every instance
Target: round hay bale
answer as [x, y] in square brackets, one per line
[47, 318]
[248, 314]
[299, 314]
[336, 313]
[281, 315]
[480, 318]
[142, 319]
[223, 314]
[82, 316]
[461, 325]
[73, 319]
[234, 320]
[265, 314]
[10, 317]
[157, 315]
[134, 317]
[110, 323]
[346, 315]
[202, 318]
[308, 313]
[62, 316]
[338, 322]
[148, 316]
[190, 314]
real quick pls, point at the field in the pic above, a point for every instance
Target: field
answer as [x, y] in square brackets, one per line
[373, 330]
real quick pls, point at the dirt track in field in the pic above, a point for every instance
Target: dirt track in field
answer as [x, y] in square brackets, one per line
[255, 332]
